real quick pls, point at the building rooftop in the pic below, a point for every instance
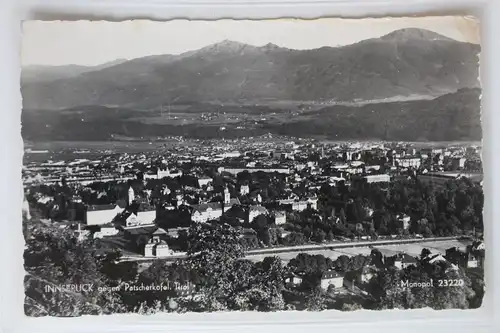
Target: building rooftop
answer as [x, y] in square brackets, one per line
[258, 208]
[214, 205]
[94, 208]
[160, 231]
[330, 274]
[142, 230]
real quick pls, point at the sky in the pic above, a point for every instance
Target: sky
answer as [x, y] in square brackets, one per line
[92, 43]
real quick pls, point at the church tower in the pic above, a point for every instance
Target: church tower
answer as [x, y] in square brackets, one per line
[26, 209]
[227, 196]
[131, 195]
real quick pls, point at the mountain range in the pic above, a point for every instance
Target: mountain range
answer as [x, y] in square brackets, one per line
[407, 62]
[41, 73]
[411, 84]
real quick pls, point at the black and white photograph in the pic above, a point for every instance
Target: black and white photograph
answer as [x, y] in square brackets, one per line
[251, 165]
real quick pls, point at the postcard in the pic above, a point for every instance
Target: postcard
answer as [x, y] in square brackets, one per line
[252, 165]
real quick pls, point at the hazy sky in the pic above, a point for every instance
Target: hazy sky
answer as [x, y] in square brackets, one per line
[93, 43]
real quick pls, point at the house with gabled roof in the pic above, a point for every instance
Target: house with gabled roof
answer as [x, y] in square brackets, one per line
[213, 210]
[279, 217]
[137, 214]
[332, 278]
[102, 214]
[435, 259]
[254, 211]
[106, 230]
[157, 246]
[406, 260]
[203, 181]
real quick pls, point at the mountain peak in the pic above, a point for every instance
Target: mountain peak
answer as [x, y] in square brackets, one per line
[270, 46]
[413, 34]
[227, 46]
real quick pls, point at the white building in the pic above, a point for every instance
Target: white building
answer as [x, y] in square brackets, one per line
[300, 205]
[230, 154]
[408, 260]
[157, 247]
[436, 258]
[331, 278]
[408, 162]
[313, 202]
[255, 211]
[236, 171]
[131, 195]
[26, 209]
[279, 218]
[213, 210]
[472, 262]
[106, 231]
[204, 181]
[244, 189]
[405, 220]
[382, 178]
[102, 214]
[141, 218]
[398, 263]
[160, 174]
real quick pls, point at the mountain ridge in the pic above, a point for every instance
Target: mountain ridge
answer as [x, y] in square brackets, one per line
[401, 34]
[46, 72]
[402, 63]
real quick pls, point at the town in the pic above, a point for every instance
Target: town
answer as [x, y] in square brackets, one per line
[340, 210]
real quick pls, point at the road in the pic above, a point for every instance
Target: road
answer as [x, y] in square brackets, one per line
[287, 252]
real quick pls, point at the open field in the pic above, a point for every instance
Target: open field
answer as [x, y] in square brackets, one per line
[388, 250]
[413, 249]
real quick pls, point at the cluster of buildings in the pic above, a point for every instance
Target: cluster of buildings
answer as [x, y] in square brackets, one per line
[302, 167]
[355, 280]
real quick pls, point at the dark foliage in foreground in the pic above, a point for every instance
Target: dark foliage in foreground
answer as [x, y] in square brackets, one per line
[219, 278]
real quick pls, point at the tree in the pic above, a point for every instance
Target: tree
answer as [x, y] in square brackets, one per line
[424, 253]
[351, 307]
[294, 238]
[377, 258]
[357, 262]
[342, 263]
[54, 257]
[268, 285]
[260, 222]
[316, 301]
[319, 236]
[118, 271]
[213, 252]
[387, 290]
